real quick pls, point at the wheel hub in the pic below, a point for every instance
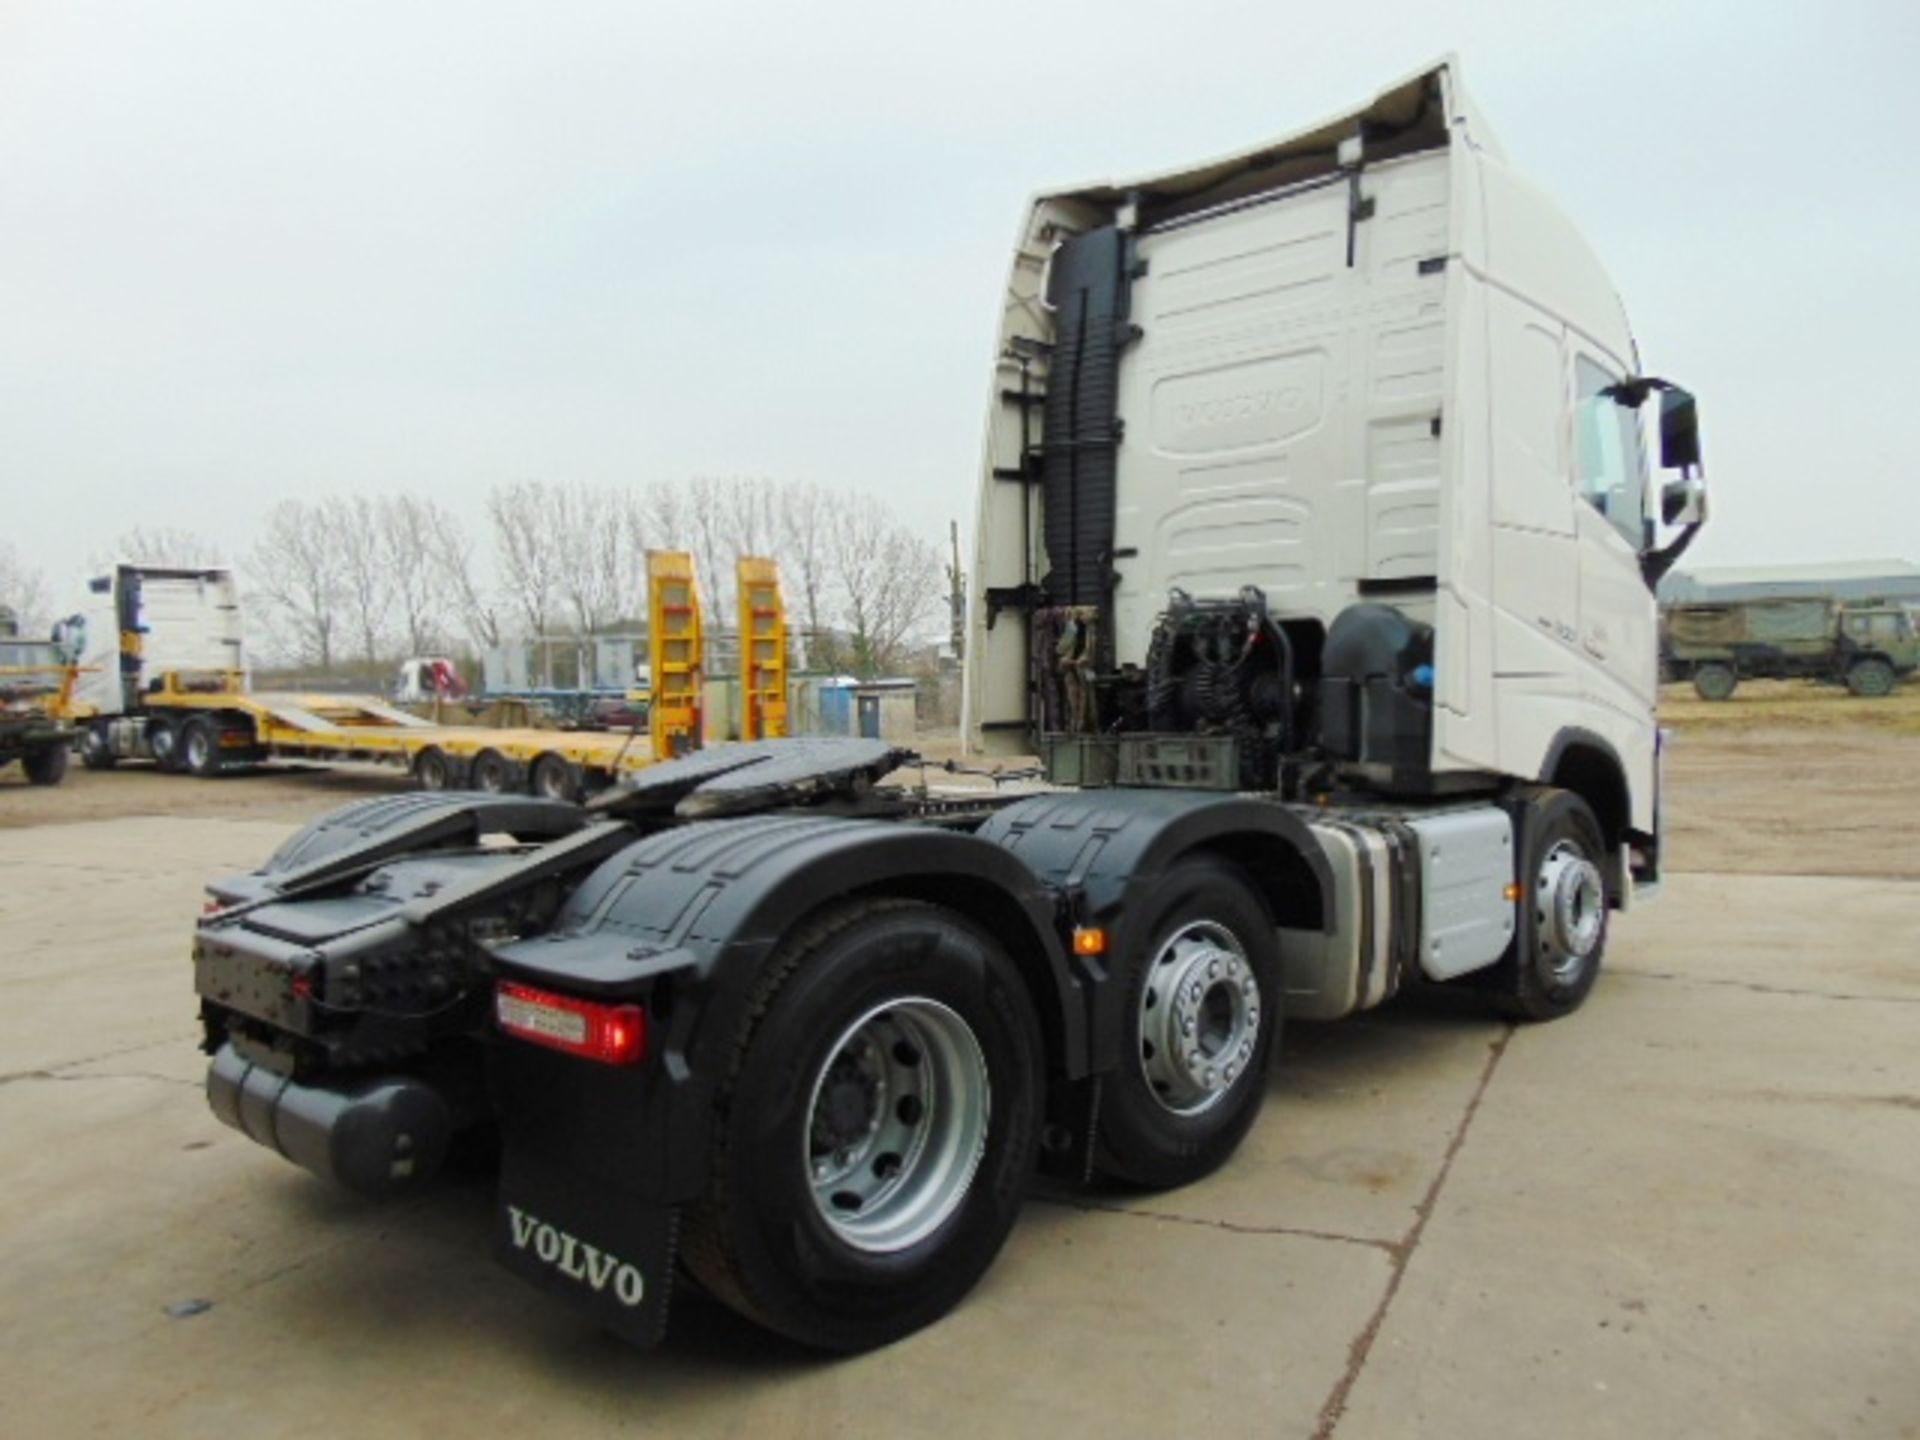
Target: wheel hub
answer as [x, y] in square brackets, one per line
[1199, 1018]
[1570, 901]
[897, 1124]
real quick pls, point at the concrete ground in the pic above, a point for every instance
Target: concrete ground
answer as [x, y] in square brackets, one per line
[1688, 1210]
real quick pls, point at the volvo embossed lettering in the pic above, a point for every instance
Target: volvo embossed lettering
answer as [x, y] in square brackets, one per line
[1315, 554]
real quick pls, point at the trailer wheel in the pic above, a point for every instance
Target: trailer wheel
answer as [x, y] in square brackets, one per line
[556, 778]
[1714, 681]
[875, 1130]
[431, 771]
[163, 739]
[1201, 1005]
[46, 766]
[199, 745]
[1562, 933]
[1871, 679]
[493, 773]
[96, 748]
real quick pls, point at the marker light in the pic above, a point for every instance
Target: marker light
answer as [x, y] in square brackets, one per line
[610, 1034]
[1089, 940]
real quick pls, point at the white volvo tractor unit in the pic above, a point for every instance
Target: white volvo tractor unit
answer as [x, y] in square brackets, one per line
[1315, 556]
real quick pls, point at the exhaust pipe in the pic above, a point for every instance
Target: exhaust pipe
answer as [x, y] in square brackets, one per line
[383, 1136]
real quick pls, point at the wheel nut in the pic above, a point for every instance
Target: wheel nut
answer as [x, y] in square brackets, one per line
[1213, 969]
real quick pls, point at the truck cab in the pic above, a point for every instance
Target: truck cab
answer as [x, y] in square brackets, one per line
[1367, 381]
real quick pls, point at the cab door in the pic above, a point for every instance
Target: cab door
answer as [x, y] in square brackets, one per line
[1617, 616]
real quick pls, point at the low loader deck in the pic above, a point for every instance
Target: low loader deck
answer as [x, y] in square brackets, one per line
[351, 727]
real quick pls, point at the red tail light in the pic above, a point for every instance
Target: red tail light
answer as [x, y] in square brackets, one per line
[611, 1034]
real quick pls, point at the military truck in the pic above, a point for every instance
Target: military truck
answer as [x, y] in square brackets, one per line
[35, 682]
[1866, 646]
[1315, 539]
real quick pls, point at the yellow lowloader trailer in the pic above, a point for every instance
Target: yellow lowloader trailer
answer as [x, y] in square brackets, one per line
[162, 680]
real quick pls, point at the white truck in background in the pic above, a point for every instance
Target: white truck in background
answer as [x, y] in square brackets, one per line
[163, 679]
[1315, 555]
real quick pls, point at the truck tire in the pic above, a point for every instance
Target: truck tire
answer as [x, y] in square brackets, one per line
[556, 778]
[96, 748]
[432, 770]
[46, 766]
[1871, 679]
[875, 1129]
[1714, 681]
[493, 773]
[200, 752]
[1562, 932]
[163, 740]
[1201, 1002]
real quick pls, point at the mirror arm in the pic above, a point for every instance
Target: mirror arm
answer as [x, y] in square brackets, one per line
[1655, 564]
[1634, 390]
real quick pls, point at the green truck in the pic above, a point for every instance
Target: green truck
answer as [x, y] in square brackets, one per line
[1866, 646]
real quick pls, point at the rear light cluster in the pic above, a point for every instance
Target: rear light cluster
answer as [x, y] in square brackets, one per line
[610, 1034]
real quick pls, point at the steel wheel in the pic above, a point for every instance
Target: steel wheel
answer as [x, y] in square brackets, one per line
[1201, 1011]
[430, 769]
[1561, 938]
[198, 747]
[492, 773]
[554, 778]
[163, 740]
[96, 748]
[896, 1124]
[876, 1121]
[1199, 1017]
[1570, 907]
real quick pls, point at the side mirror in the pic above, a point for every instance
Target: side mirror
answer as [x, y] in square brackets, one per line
[1679, 430]
[1684, 501]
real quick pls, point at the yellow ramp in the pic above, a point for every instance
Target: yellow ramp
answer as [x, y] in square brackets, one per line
[763, 649]
[674, 650]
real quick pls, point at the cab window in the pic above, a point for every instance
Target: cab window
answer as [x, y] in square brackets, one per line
[1609, 464]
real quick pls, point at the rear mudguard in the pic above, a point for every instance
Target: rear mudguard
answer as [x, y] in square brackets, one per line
[685, 919]
[597, 1160]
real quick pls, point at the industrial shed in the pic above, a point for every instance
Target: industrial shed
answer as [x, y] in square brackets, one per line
[1895, 580]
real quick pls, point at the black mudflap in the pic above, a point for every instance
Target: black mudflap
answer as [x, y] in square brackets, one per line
[608, 1252]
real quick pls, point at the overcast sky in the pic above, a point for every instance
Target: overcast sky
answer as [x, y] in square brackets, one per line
[251, 250]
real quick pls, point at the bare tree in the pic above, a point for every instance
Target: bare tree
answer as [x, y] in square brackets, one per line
[528, 556]
[709, 512]
[806, 518]
[449, 552]
[162, 545]
[752, 515]
[890, 581]
[588, 530]
[409, 527]
[364, 586]
[661, 519]
[23, 590]
[295, 567]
